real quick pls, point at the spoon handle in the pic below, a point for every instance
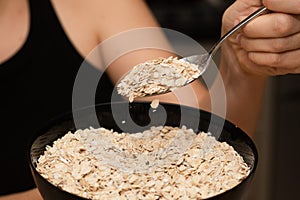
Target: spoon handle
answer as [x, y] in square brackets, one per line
[258, 12]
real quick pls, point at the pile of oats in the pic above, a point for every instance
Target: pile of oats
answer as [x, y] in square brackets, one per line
[157, 77]
[160, 163]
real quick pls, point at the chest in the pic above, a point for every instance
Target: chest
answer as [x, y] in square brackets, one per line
[15, 26]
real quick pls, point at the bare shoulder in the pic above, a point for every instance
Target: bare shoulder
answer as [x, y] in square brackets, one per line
[114, 16]
[107, 17]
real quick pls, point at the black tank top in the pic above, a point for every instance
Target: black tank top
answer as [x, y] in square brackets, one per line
[35, 86]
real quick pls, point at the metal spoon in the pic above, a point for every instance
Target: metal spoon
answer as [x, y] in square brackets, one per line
[203, 60]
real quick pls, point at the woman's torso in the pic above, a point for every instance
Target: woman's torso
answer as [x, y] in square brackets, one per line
[37, 72]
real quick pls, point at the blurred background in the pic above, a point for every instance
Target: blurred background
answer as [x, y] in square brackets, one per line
[277, 176]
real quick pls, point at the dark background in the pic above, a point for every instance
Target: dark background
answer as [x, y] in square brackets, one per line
[278, 133]
[197, 18]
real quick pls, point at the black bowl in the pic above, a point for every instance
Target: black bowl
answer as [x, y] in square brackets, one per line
[120, 117]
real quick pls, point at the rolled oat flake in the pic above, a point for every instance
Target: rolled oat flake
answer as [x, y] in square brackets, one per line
[157, 77]
[162, 162]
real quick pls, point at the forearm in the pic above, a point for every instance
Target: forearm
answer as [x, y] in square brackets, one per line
[244, 93]
[32, 194]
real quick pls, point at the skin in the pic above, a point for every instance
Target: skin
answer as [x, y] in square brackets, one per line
[267, 46]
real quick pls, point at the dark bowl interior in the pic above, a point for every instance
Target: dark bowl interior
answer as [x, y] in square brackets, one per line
[113, 116]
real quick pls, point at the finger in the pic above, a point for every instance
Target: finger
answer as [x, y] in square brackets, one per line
[288, 60]
[248, 66]
[275, 71]
[273, 25]
[290, 6]
[263, 70]
[274, 45]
